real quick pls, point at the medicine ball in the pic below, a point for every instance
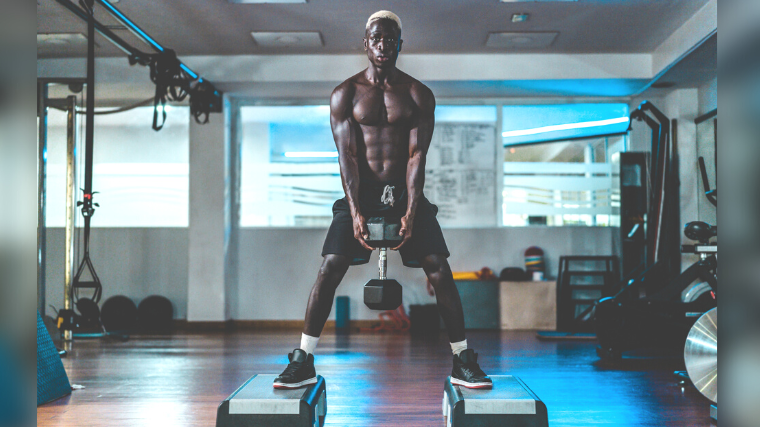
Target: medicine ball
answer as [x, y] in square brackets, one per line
[119, 313]
[155, 314]
[513, 274]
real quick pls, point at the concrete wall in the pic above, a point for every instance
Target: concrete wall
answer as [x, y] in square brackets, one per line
[278, 266]
[708, 96]
[683, 105]
[209, 229]
[135, 262]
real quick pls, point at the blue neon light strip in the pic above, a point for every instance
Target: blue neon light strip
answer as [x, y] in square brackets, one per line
[189, 71]
[568, 126]
[527, 124]
[133, 27]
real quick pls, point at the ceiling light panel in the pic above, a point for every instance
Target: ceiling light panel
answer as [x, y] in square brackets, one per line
[521, 40]
[287, 39]
[520, 17]
[533, 1]
[61, 39]
[266, 1]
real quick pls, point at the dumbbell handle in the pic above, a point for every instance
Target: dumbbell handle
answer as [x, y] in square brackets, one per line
[383, 263]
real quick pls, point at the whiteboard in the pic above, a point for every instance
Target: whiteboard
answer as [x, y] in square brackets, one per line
[460, 174]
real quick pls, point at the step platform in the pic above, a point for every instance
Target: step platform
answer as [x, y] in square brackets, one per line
[257, 404]
[510, 403]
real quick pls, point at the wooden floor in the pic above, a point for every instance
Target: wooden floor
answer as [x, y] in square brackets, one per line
[372, 380]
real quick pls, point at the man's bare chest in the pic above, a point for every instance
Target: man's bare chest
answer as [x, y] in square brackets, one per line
[377, 107]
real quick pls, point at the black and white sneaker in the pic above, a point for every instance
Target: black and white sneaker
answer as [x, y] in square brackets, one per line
[300, 372]
[467, 372]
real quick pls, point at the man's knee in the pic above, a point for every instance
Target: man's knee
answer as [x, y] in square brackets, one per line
[436, 267]
[333, 266]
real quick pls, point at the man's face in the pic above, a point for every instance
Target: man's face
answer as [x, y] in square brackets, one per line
[382, 42]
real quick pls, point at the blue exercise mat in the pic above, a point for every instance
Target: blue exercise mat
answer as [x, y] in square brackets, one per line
[52, 381]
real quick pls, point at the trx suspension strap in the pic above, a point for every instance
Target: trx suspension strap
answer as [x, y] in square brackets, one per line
[87, 204]
[166, 72]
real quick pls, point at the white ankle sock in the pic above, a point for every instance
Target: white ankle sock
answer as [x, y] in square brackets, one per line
[458, 347]
[309, 343]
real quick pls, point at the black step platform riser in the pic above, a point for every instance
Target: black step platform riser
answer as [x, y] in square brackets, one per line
[498, 421]
[261, 420]
[257, 404]
[510, 403]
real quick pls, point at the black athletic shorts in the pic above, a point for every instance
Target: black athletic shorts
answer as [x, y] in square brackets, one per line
[427, 237]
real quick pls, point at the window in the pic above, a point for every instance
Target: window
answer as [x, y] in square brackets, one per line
[141, 175]
[289, 166]
[559, 166]
[465, 113]
[569, 181]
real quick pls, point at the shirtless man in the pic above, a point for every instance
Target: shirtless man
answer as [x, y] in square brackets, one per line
[382, 121]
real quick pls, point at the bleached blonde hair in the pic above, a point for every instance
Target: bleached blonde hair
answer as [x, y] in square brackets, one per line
[383, 14]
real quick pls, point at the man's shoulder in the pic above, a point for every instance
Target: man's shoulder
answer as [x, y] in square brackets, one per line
[413, 84]
[421, 94]
[349, 85]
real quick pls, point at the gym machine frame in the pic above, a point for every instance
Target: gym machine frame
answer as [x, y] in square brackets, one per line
[43, 103]
[208, 100]
[69, 104]
[71, 116]
[628, 321]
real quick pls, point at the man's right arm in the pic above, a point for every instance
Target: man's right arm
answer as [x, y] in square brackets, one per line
[344, 132]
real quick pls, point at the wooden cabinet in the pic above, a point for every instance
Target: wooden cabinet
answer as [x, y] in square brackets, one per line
[528, 305]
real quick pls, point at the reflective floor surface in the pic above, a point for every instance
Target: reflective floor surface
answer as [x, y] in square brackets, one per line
[373, 379]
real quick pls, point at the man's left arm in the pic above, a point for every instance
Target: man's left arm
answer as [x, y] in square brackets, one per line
[419, 142]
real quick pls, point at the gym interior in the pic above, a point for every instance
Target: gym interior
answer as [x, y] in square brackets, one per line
[190, 159]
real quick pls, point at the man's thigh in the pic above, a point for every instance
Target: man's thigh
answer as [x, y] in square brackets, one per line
[340, 236]
[427, 237]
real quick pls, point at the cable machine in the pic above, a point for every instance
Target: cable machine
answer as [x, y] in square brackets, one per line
[174, 81]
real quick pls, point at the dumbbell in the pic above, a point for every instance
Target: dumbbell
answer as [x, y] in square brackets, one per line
[383, 293]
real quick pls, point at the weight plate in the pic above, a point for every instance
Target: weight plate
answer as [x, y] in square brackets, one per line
[701, 354]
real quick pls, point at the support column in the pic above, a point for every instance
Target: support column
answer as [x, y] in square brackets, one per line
[232, 186]
[683, 105]
[42, 122]
[71, 210]
[588, 160]
[210, 218]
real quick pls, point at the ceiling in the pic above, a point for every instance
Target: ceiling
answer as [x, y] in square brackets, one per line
[695, 69]
[216, 27]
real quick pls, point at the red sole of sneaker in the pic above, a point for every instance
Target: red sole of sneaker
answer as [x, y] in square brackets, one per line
[478, 387]
[472, 386]
[291, 387]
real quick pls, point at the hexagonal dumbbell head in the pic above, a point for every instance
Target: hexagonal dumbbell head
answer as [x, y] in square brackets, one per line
[383, 232]
[382, 294]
